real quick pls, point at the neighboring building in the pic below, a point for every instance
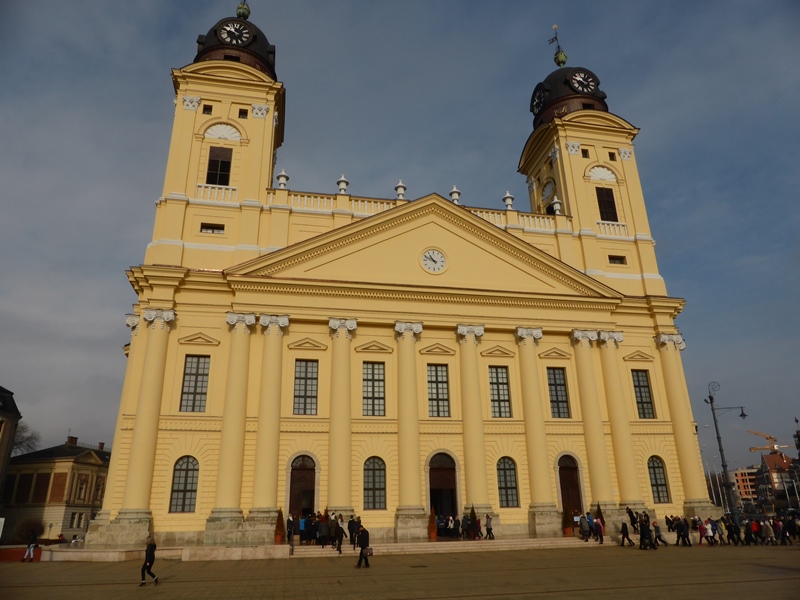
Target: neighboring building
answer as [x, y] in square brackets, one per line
[9, 418]
[776, 481]
[384, 357]
[62, 487]
[745, 480]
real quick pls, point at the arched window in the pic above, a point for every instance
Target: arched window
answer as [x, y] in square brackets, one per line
[658, 480]
[507, 482]
[374, 484]
[184, 485]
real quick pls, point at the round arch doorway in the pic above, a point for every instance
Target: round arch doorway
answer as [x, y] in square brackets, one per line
[571, 501]
[301, 487]
[442, 481]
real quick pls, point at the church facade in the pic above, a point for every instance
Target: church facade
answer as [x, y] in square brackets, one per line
[387, 357]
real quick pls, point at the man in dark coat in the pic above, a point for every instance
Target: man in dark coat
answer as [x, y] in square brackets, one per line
[363, 544]
[352, 529]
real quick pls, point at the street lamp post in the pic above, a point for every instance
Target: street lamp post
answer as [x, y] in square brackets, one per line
[727, 484]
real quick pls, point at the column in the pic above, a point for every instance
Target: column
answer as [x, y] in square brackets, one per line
[630, 493]
[265, 482]
[472, 421]
[139, 480]
[543, 517]
[339, 438]
[410, 518]
[596, 456]
[694, 487]
[231, 448]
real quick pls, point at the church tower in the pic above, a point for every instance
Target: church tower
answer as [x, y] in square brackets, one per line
[228, 126]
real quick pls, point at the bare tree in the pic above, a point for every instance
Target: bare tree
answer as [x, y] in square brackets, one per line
[25, 440]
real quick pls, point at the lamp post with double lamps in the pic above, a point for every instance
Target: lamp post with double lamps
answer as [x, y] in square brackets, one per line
[727, 484]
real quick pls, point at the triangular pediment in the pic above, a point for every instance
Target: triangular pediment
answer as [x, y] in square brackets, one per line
[199, 339]
[387, 249]
[555, 353]
[307, 344]
[438, 350]
[638, 356]
[374, 346]
[498, 351]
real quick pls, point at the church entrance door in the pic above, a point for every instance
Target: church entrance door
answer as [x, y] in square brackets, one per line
[570, 486]
[301, 488]
[443, 485]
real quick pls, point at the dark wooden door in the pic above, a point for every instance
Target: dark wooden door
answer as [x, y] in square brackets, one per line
[570, 485]
[301, 487]
[443, 485]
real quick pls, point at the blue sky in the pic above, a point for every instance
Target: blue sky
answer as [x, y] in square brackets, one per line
[435, 93]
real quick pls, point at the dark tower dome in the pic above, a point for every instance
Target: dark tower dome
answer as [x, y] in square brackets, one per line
[237, 39]
[564, 91]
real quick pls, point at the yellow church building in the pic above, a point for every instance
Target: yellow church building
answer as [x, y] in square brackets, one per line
[386, 357]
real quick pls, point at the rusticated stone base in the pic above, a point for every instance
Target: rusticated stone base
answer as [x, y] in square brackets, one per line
[701, 508]
[410, 524]
[259, 527]
[225, 527]
[131, 527]
[544, 520]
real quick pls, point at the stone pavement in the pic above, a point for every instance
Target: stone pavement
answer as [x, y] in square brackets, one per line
[607, 572]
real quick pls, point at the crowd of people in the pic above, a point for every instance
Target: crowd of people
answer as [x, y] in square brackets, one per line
[322, 529]
[465, 528]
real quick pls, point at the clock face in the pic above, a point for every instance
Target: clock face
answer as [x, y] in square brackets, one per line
[584, 82]
[234, 33]
[538, 99]
[433, 261]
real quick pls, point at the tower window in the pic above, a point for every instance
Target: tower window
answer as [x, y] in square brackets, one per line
[212, 228]
[219, 166]
[206, 109]
[584, 153]
[242, 113]
[605, 201]
[612, 156]
[231, 58]
[617, 260]
[587, 106]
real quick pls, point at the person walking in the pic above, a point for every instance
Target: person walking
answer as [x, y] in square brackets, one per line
[352, 529]
[489, 534]
[32, 543]
[625, 534]
[583, 527]
[339, 534]
[149, 559]
[657, 534]
[363, 544]
[598, 530]
[632, 519]
[290, 533]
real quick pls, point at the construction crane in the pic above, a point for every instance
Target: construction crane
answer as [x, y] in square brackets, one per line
[773, 442]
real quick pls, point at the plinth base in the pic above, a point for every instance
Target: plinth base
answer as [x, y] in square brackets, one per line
[544, 520]
[259, 527]
[225, 527]
[131, 527]
[702, 508]
[410, 524]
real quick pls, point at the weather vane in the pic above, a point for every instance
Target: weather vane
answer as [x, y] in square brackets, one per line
[242, 10]
[560, 56]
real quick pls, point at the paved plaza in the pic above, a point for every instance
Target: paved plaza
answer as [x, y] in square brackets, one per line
[604, 572]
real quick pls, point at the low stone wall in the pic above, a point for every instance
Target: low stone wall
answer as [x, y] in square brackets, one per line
[72, 553]
[194, 553]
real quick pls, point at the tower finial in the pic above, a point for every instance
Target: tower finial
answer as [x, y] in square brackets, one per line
[243, 11]
[560, 57]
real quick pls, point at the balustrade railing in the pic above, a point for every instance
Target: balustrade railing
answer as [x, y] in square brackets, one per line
[369, 206]
[537, 222]
[612, 229]
[495, 217]
[216, 193]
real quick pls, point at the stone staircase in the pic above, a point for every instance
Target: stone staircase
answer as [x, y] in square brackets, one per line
[497, 545]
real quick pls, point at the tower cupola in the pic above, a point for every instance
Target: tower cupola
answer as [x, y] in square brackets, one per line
[237, 39]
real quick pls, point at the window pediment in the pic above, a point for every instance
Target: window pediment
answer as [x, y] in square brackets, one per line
[374, 346]
[438, 350]
[307, 344]
[555, 353]
[198, 339]
[498, 351]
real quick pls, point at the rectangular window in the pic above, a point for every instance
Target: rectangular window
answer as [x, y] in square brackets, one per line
[374, 389]
[212, 228]
[616, 260]
[195, 383]
[612, 156]
[498, 392]
[206, 109]
[584, 153]
[644, 399]
[305, 387]
[605, 202]
[242, 113]
[438, 393]
[557, 384]
[219, 166]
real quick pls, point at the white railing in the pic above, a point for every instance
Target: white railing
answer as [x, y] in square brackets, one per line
[537, 222]
[367, 206]
[314, 202]
[612, 229]
[216, 193]
[495, 217]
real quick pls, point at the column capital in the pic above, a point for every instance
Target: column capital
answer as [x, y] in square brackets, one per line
[151, 315]
[240, 321]
[528, 333]
[466, 330]
[581, 335]
[403, 327]
[611, 338]
[132, 321]
[273, 323]
[663, 340]
[342, 325]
